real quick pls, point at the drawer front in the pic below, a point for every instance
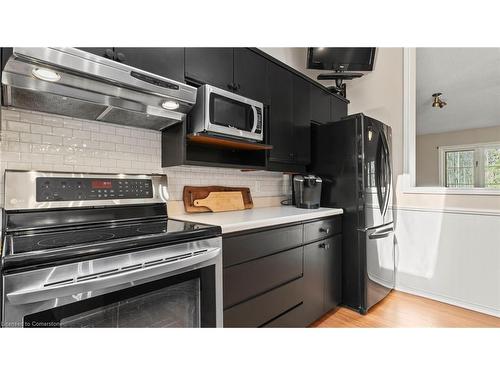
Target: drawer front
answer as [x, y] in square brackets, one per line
[320, 229]
[245, 247]
[264, 308]
[249, 279]
[294, 318]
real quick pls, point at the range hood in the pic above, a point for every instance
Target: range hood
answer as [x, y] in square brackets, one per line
[71, 82]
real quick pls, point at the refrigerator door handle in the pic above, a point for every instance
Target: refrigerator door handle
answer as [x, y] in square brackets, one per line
[388, 177]
[379, 184]
[382, 232]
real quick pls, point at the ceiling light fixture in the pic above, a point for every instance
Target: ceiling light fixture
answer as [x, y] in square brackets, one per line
[46, 74]
[437, 102]
[170, 104]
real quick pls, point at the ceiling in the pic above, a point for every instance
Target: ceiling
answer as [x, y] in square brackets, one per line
[469, 79]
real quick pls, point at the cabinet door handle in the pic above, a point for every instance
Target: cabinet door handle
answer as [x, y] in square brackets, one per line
[324, 230]
[324, 246]
[120, 57]
[109, 53]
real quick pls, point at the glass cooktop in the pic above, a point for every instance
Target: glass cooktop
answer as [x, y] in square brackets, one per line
[164, 230]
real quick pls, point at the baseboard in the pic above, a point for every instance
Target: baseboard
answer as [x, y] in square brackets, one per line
[450, 301]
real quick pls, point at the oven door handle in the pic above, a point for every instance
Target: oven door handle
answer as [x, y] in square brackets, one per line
[143, 271]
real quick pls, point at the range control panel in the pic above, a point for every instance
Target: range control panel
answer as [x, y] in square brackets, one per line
[50, 189]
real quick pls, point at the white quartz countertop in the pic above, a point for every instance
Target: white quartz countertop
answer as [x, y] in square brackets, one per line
[235, 221]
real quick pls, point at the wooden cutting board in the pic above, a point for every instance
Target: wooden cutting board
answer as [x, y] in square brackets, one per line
[192, 193]
[218, 201]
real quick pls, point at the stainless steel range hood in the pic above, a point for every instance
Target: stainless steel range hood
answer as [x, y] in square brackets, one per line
[71, 82]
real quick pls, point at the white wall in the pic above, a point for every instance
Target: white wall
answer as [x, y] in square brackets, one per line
[447, 246]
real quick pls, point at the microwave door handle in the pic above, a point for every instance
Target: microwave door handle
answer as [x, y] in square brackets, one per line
[255, 118]
[45, 293]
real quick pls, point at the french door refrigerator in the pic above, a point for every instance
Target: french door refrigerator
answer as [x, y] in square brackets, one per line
[353, 157]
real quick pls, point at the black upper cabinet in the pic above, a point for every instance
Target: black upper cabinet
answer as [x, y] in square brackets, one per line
[234, 69]
[210, 65]
[166, 62]
[289, 119]
[338, 108]
[250, 70]
[5, 53]
[301, 121]
[280, 86]
[320, 105]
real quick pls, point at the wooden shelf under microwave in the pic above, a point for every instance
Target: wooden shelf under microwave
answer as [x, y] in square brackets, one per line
[221, 142]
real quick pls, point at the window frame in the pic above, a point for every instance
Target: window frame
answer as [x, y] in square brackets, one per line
[479, 170]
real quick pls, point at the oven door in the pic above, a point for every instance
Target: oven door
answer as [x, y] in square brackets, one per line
[233, 115]
[174, 286]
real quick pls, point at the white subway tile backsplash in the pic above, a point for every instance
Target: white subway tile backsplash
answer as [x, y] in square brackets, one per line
[64, 132]
[107, 129]
[52, 139]
[16, 165]
[30, 157]
[52, 120]
[123, 164]
[81, 134]
[30, 138]
[8, 135]
[10, 115]
[18, 126]
[108, 162]
[124, 132]
[107, 146]
[41, 129]
[53, 159]
[39, 141]
[90, 126]
[11, 156]
[129, 140]
[73, 123]
[31, 117]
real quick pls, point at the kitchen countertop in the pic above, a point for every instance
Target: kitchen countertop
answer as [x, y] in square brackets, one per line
[235, 221]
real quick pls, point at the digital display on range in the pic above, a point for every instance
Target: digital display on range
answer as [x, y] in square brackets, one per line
[101, 184]
[49, 189]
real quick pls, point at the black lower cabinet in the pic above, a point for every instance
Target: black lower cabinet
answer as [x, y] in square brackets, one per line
[333, 273]
[314, 279]
[285, 276]
[322, 277]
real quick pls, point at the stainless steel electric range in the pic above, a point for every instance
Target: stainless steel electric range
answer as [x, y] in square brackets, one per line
[94, 250]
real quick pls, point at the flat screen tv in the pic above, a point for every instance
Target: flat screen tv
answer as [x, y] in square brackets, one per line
[341, 59]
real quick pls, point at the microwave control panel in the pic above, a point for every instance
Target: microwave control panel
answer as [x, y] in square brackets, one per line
[50, 189]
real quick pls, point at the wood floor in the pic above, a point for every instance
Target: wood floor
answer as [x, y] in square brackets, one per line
[400, 309]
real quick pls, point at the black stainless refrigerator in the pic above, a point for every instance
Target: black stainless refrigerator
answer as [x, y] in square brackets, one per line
[353, 157]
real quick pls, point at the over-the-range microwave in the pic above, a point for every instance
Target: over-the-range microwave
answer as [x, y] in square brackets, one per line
[225, 113]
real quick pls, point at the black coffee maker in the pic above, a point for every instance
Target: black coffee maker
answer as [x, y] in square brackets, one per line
[306, 191]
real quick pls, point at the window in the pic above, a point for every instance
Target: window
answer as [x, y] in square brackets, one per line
[469, 166]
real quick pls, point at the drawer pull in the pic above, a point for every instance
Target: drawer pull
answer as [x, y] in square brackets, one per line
[324, 230]
[324, 246]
